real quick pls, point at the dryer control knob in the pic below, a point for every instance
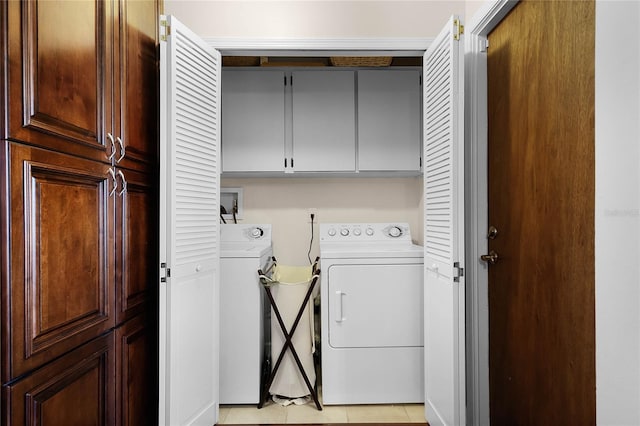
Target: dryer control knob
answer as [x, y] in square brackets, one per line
[257, 232]
[357, 232]
[395, 232]
[344, 232]
[369, 231]
[331, 232]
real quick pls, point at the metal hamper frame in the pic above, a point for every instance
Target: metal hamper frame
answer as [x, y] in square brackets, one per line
[267, 282]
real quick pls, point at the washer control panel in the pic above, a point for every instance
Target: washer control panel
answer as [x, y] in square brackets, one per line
[364, 232]
[245, 233]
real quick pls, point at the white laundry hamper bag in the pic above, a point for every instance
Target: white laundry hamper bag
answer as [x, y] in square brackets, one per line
[289, 293]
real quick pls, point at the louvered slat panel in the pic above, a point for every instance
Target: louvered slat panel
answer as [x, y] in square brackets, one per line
[196, 155]
[443, 202]
[189, 237]
[438, 155]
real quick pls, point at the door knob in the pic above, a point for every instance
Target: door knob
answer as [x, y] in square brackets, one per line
[491, 258]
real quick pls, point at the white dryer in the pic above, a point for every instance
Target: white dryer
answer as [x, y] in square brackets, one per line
[244, 249]
[371, 314]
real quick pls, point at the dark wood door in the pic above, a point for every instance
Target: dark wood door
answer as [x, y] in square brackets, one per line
[61, 288]
[137, 89]
[76, 389]
[60, 75]
[136, 243]
[541, 200]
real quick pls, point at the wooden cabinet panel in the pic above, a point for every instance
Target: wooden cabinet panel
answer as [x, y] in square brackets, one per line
[137, 85]
[136, 249]
[59, 75]
[77, 250]
[76, 389]
[135, 373]
[61, 255]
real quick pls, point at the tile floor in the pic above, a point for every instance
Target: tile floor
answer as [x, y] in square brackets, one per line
[273, 413]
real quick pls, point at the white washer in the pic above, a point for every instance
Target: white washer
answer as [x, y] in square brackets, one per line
[371, 314]
[244, 249]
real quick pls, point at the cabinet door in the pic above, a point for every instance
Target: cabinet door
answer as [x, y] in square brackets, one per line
[76, 389]
[136, 242]
[324, 132]
[60, 291]
[253, 126]
[136, 385]
[59, 75]
[389, 120]
[137, 83]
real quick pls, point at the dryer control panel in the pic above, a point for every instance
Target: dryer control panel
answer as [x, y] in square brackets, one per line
[365, 232]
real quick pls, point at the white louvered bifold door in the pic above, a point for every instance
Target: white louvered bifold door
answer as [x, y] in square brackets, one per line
[189, 227]
[443, 229]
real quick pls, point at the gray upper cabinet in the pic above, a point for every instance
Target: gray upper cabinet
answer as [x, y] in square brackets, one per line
[389, 120]
[253, 121]
[341, 121]
[324, 132]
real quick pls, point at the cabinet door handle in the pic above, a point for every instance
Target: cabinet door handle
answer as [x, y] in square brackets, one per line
[115, 182]
[122, 149]
[124, 183]
[113, 146]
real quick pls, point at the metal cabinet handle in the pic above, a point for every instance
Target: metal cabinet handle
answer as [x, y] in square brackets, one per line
[124, 183]
[490, 258]
[122, 149]
[113, 146]
[115, 182]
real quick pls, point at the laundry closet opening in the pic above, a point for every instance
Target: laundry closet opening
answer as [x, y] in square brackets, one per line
[291, 160]
[368, 184]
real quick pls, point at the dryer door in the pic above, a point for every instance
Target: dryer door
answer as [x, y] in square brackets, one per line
[375, 305]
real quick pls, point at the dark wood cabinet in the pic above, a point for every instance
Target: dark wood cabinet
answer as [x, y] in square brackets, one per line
[83, 78]
[136, 237]
[136, 372]
[77, 389]
[60, 75]
[136, 88]
[78, 211]
[61, 256]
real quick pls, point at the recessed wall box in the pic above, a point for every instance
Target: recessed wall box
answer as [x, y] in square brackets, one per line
[231, 198]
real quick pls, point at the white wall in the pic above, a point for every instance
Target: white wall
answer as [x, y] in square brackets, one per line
[314, 18]
[618, 212]
[284, 202]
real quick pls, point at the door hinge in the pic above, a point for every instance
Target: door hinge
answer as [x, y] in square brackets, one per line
[483, 44]
[165, 29]
[164, 272]
[458, 272]
[458, 29]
